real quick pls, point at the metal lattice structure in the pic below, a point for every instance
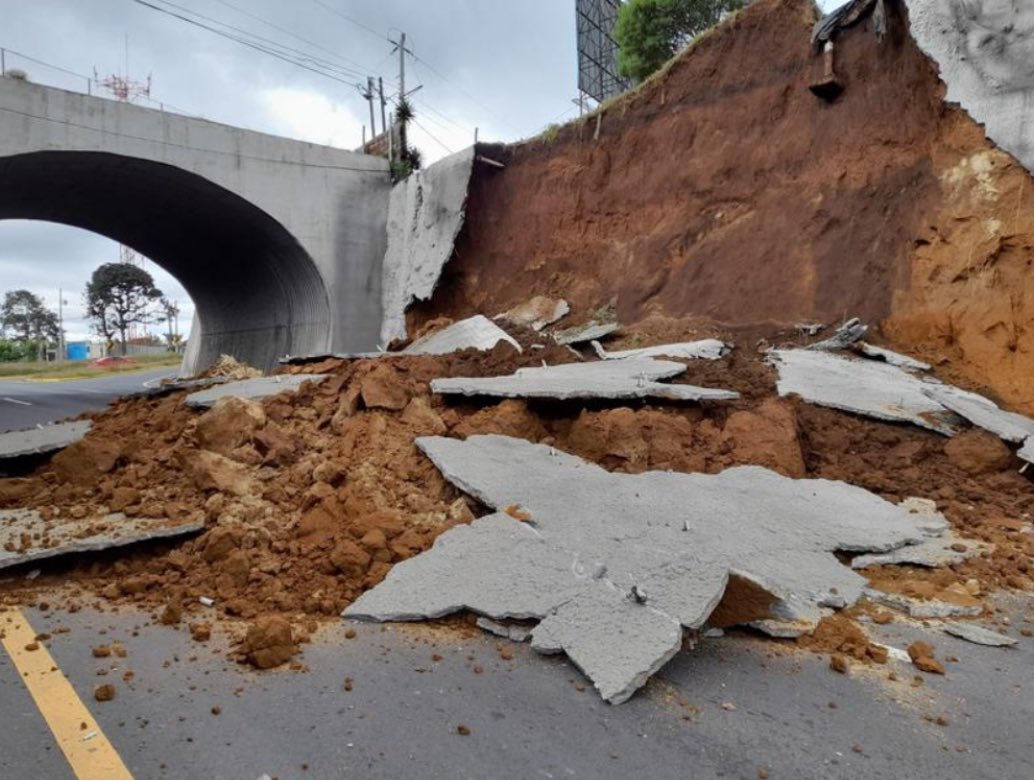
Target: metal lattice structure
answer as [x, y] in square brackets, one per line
[597, 50]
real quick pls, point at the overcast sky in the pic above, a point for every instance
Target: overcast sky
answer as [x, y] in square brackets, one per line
[506, 67]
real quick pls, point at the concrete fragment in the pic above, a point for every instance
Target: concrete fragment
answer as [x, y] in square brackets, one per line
[889, 356]
[516, 632]
[64, 536]
[425, 214]
[918, 608]
[931, 553]
[477, 332]
[846, 335]
[982, 412]
[705, 349]
[537, 313]
[581, 334]
[1027, 450]
[614, 564]
[979, 635]
[619, 379]
[253, 389]
[39, 441]
[864, 387]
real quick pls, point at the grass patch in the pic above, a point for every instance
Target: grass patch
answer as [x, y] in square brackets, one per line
[82, 369]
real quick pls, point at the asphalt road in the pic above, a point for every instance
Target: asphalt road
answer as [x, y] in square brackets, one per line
[24, 404]
[736, 707]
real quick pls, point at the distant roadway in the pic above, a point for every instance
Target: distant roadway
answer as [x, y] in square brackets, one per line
[24, 404]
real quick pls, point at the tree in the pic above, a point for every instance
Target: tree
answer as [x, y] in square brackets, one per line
[170, 316]
[117, 296]
[651, 32]
[409, 157]
[25, 318]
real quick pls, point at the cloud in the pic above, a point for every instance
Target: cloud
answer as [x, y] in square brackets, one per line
[309, 115]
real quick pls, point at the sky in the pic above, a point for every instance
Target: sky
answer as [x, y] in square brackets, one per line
[507, 68]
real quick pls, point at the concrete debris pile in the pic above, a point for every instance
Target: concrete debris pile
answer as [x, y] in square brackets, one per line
[891, 390]
[614, 566]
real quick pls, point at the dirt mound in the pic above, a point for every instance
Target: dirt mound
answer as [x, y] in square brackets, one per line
[724, 189]
[229, 367]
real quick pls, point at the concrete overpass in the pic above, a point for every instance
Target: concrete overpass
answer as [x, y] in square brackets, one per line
[279, 243]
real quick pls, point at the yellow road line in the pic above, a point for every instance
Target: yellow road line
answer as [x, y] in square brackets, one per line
[87, 749]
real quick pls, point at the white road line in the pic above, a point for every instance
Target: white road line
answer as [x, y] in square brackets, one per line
[16, 401]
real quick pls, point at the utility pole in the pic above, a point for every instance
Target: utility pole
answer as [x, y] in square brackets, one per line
[368, 94]
[380, 91]
[402, 65]
[60, 326]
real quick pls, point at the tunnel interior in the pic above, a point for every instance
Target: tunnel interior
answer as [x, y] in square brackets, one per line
[257, 292]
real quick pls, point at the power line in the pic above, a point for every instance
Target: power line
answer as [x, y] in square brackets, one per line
[432, 135]
[462, 91]
[296, 36]
[332, 72]
[356, 22]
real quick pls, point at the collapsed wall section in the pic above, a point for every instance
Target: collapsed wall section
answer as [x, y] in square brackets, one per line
[724, 188]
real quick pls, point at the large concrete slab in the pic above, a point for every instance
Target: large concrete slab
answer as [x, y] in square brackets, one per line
[25, 537]
[866, 387]
[41, 440]
[425, 214]
[615, 380]
[613, 563]
[892, 357]
[982, 412]
[253, 389]
[704, 349]
[477, 332]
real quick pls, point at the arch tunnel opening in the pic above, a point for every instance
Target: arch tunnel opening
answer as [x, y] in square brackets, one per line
[257, 293]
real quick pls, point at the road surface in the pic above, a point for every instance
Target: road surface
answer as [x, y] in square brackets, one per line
[24, 404]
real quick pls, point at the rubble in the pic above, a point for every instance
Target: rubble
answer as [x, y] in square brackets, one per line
[861, 386]
[933, 552]
[846, 335]
[42, 440]
[706, 349]
[982, 412]
[620, 379]
[889, 356]
[581, 334]
[477, 332]
[537, 313]
[631, 556]
[924, 608]
[251, 389]
[979, 635]
[26, 536]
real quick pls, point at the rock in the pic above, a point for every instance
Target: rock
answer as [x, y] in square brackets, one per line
[171, 614]
[15, 490]
[381, 389]
[86, 460]
[229, 424]
[122, 497]
[767, 436]
[200, 632]
[923, 659]
[423, 418]
[212, 471]
[332, 472]
[349, 558]
[978, 452]
[269, 643]
[105, 692]
[219, 543]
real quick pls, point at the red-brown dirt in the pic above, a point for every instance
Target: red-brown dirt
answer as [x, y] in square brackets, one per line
[723, 188]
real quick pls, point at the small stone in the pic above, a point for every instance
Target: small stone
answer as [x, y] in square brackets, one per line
[102, 651]
[838, 664]
[104, 692]
[462, 730]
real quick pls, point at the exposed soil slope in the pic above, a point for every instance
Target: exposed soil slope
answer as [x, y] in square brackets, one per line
[723, 188]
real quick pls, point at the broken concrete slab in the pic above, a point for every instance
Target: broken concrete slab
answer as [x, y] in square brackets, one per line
[537, 313]
[618, 379]
[425, 214]
[889, 356]
[705, 349]
[614, 564]
[168, 388]
[251, 389]
[477, 332]
[982, 412]
[25, 537]
[581, 334]
[865, 387]
[846, 335]
[922, 609]
[516, 632]
[41, 440]
[979, 635]
[940, 551]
